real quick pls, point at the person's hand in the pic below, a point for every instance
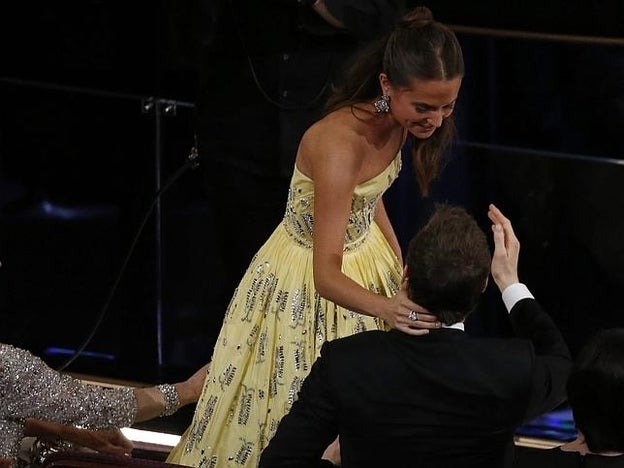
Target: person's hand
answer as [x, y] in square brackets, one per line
[407, 316]
[194, 384]
[107, 441]
[111, 441]
[577, 445]
[506, 250]
[332, 453]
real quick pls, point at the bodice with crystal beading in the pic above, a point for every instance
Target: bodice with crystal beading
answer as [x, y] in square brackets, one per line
[299, 216]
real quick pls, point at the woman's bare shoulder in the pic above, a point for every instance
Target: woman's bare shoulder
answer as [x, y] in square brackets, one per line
[335, 131]
[334, 143]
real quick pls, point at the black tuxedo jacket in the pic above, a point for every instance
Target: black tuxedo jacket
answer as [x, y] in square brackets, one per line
[440, 400]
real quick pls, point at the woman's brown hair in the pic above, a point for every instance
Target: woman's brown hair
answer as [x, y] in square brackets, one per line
[418, 48]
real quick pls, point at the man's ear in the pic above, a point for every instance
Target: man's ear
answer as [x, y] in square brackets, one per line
[485, 283]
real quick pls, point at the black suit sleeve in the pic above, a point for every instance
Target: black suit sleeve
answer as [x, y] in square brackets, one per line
[311, 425]
[552, 363]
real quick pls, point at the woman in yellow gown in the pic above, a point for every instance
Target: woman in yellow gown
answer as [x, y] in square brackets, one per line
[333, 266]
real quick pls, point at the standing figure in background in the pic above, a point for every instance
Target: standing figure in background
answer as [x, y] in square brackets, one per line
[333, 266]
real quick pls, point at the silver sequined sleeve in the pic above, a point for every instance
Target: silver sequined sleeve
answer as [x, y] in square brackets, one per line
[31, 389]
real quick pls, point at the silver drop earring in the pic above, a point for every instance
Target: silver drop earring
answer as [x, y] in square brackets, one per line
[382, 105]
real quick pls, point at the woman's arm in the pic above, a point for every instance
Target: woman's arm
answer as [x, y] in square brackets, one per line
[335, 173]
[162, 400]
[36, 391]
[31, 389]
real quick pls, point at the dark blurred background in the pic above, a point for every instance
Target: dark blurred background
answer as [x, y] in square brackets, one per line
[99, 111]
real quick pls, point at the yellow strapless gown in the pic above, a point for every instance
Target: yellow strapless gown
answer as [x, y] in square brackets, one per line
[276, 323]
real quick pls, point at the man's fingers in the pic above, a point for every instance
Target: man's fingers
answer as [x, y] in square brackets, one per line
[498, 217]
[509, 238]
[499, 240]
[494, 212]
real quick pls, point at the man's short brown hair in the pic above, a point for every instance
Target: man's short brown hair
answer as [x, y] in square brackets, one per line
[448, 263]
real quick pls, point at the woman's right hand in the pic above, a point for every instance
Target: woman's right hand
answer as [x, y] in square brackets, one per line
[405, 315]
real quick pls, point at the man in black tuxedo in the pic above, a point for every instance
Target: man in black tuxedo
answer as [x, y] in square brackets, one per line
[442, 399]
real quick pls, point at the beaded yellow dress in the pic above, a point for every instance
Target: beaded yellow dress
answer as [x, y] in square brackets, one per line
[276, 323]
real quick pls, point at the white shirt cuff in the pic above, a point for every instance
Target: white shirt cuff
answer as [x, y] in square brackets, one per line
[514, 293]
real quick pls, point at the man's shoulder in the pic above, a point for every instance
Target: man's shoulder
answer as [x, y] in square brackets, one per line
[513, 344]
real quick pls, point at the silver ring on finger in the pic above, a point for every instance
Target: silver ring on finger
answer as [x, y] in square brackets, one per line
[413, 315]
